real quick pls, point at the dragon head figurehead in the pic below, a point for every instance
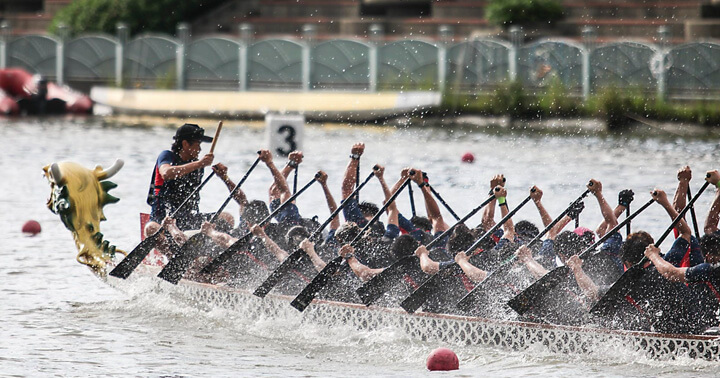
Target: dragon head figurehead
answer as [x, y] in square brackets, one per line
[78, 195]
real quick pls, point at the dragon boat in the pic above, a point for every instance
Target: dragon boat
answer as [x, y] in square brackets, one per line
[78, 196]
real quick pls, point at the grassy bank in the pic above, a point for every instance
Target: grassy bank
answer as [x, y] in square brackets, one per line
[617, 106]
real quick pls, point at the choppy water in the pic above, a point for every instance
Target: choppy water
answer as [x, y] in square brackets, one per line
[58, 320]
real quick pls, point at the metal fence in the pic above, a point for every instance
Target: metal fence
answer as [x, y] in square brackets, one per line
[690, 70]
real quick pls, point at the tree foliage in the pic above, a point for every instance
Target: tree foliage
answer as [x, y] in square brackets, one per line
[523, 12]
[140, 16]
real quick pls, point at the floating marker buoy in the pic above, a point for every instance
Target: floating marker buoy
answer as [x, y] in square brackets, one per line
[468, 157]
[31, 227]
[442, 359]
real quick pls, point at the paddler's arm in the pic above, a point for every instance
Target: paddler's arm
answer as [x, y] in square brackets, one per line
[279, 188]
[309, 248]
[332, 206]
[525, 256]
[431, 206]
[508, 228]
[536, 196]
[178, 236]
[240, 197]
[350, 176]
[220, 238]
[684, 175]
[380, 175]
[586, 284]
[666, 269]
[426, 263]
[682, 226]
[294, 160]
[171, 172]
[711, 222]
[488, 219]
[608, 214]
[364, 272]
[279, 253]
[474, 273]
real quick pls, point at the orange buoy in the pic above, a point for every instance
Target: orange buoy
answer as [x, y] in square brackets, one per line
[468, 157]
[31, 227]
[442, 359]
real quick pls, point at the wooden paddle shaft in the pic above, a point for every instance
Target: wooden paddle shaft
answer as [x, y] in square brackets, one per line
[215, 139]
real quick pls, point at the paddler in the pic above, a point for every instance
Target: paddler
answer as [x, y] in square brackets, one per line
[177, 173]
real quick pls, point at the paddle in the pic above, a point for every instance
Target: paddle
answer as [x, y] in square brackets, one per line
[622, 286]
[692, 214]
[291, 261]
[370, 291]
[309, 292]
[522, 302]
[180, 262]
[295, 180]
[138, 254]
[470, 300]
[217, 262]
[357, 180]
[412, 200]
[439, 198]
[433, 284]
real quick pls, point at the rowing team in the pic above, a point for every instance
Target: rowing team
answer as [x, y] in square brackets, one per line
[567, 278]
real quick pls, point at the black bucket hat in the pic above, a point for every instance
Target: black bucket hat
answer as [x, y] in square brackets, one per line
[190, 131]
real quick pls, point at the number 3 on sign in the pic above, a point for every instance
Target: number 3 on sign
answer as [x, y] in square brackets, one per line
[285, 132]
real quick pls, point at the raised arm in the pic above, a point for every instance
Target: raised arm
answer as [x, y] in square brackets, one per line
[332, 206]
[279, 253]
[682, 226]
[595, 188]
[362, 271]
[431, 206]
[239, 197]
[508, 228]
[625, 197]
[279, 188]
[351, 171]
[488, 219]
[711, 222]
[294, 160]
[537, 199]
[684, 175]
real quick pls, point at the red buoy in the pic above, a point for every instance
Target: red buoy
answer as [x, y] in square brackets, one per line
[442, 359]
[31, 227]
[468, 157]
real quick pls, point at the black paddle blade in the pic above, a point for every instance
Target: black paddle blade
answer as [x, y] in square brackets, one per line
[522, 302]
[387, 279]
[217, 262]
[617, 291]
[472, 299]
[133, 260]
[429, 288]
[313, 288]
[287, 266]
[180, 262]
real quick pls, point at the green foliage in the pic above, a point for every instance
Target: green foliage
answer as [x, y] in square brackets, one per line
[141, 16]
[523, 12]
[616, 105]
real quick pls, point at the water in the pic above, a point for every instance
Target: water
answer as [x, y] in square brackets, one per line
[60, 320]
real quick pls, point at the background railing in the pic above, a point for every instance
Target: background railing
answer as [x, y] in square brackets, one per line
[686, 71]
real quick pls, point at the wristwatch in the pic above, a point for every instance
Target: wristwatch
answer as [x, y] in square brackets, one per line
[355, 156]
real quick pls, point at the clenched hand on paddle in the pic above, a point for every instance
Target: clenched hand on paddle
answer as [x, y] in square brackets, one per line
[138, 254]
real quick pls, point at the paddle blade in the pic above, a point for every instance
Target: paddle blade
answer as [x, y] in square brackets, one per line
[287, 266]
[218, 261]
[531, 296]
[387, 279]
[313, 288]
[605, 306]
[180, 262]
[134, 258]
[421, 294]
[471, 300]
